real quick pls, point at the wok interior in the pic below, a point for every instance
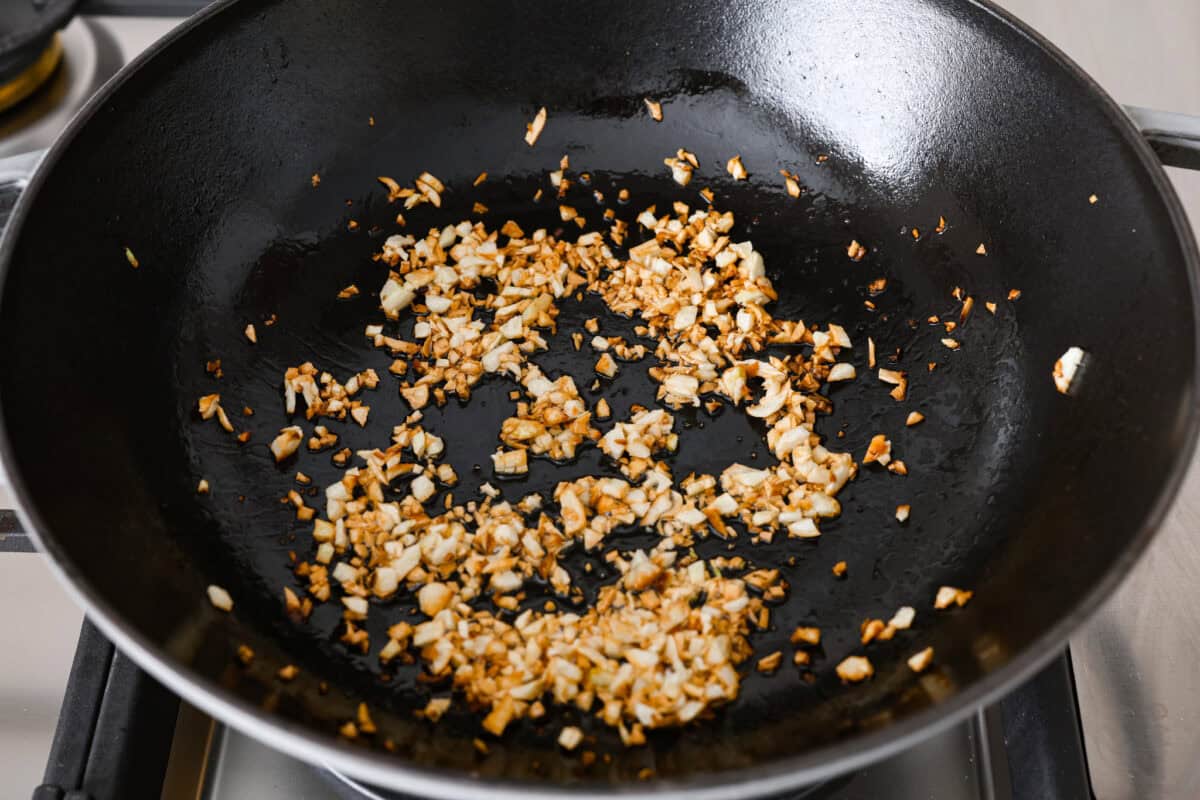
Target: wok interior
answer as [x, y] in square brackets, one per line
[1028, 497]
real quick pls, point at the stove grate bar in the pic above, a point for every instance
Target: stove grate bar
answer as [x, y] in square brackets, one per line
[114, 731]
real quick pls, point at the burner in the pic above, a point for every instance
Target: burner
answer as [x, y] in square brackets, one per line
[26, 30]
[27, 81]
[88, 57]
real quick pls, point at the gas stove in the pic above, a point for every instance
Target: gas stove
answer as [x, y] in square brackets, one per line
[1118, 716]
[121, 735]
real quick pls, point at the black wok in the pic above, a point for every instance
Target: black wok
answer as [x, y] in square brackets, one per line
[198, 158]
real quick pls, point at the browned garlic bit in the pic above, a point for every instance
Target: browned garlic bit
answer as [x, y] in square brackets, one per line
[770, 663]
[287, 442]
[570, 737]
[534, 129]
[918, 662]
[220, 598]
[948, 596]
[655, 109]
[633, 444]
[898, 379]
[426, 189]
[791, 183]
[209, 407]
[873, 629]
[321, 439]
[606, 366]
[856, 251]
[625, 351]
[806, 635]
[879, 450]
[902, 620]
[841, 372]
[1066, 367]
[854, 669]
[735, 168]
[682, 166]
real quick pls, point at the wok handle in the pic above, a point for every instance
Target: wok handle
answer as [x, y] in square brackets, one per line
[14, 176]
[17, 169]
[1174, 137]
[12, 538]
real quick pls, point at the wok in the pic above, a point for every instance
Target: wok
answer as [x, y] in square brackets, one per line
[198, 158]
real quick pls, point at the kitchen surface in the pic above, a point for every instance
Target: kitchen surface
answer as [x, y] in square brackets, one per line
[1134, 664]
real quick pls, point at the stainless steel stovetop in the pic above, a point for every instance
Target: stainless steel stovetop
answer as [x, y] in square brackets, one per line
[1134, 664]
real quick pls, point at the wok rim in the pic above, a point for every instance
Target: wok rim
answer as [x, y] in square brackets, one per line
[776, 776]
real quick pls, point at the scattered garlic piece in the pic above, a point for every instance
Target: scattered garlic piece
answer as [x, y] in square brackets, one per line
[534, 129]
[918, 662]
[854, 669]
[219, 598]
[1066, 367]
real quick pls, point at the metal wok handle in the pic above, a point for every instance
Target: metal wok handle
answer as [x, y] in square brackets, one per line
[1174, 137]
[14, 176]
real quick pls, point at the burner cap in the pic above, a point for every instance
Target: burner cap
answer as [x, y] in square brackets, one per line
[27, 82]
[27, 28]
